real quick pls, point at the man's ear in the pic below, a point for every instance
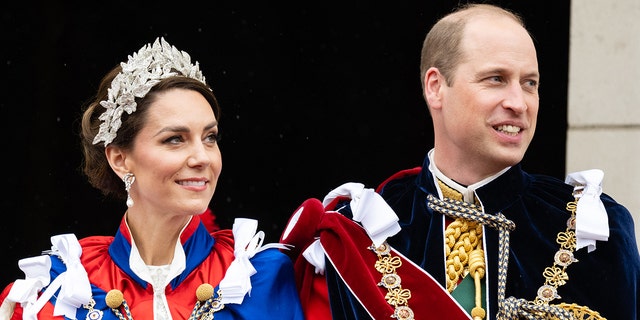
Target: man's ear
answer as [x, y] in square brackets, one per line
[434, 82]
[117, 160]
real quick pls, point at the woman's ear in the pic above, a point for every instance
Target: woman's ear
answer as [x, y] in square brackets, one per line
[434, 81]
[117, 160]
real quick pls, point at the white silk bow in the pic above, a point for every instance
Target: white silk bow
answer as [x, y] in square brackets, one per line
[591, 217]
[237, 280]
[314, 254]
[73, 283]
[368, 208]
[25, 291]
[75, 289]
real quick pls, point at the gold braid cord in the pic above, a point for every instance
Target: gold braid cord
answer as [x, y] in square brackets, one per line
[463, 245]
[463, 248]
[205, 307]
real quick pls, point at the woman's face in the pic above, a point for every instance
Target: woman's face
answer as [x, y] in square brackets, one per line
[175, 157]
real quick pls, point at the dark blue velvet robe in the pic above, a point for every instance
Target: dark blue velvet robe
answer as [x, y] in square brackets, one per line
[606, 280]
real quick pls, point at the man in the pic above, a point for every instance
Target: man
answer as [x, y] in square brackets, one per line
[470, 235]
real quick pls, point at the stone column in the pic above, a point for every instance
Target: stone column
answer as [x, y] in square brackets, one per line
[604, 96]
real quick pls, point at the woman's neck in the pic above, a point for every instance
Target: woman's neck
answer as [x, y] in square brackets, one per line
[155, 237]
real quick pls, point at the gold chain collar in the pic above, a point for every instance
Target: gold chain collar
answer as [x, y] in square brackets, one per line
[396, 296]
[555, 276]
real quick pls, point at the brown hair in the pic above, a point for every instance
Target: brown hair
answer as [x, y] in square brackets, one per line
[441, 46]
[95, 165]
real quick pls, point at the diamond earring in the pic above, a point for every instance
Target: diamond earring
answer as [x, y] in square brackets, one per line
[128, 179]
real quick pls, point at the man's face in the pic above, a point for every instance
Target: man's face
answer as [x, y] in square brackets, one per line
[488, 114]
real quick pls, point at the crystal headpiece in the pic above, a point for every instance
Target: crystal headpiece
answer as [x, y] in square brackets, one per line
[143, 70]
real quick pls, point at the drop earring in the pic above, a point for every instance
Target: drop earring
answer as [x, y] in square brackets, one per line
[128, 179]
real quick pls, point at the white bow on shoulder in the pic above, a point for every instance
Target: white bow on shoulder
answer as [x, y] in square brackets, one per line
[591, 217]
[237, 280]
[75, 289]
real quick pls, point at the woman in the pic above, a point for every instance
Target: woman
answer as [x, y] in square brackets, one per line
[150, 137]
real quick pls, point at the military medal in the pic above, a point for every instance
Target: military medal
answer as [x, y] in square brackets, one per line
[92, 314]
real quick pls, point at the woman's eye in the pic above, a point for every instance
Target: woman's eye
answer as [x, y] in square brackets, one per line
[173, 139]
[213, 138]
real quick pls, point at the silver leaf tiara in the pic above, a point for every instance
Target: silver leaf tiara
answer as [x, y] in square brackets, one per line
[143, 70]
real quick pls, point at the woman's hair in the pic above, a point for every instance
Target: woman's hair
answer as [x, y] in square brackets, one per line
[95, 165]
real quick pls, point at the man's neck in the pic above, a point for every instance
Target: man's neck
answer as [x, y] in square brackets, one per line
[467, 191]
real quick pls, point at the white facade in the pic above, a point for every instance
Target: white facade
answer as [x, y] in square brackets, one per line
[604, 96]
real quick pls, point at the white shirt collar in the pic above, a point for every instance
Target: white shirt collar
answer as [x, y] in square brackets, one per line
[468, 192]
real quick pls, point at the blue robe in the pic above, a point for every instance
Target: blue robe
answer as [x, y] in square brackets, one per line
[208, 255]
[606, 280]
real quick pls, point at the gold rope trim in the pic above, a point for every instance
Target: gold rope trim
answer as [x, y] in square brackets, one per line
[463, 249]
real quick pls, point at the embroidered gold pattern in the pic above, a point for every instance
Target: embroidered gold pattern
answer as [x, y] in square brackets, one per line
[556, 275]
[396, 296]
